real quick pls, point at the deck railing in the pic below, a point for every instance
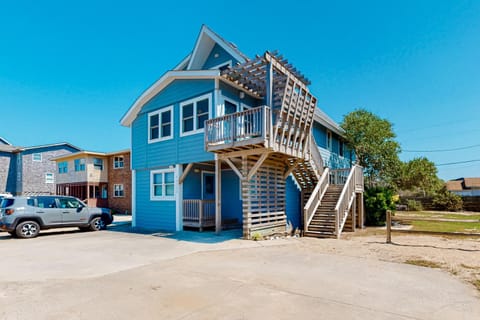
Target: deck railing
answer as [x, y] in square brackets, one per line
[339, 176]
[198, 213]
[252, 126]
[315, 199]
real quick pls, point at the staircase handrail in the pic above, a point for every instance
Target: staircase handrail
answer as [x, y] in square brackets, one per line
[345, 201]
[315, 198]
[315, 155]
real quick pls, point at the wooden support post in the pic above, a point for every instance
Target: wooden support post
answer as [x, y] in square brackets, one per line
[200, 215]
[234, 168]
[185, 173]
[218, 195]
[389, 226]
[269, 86]
[257, 165]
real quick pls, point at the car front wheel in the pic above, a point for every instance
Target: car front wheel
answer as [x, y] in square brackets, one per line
[27, 229]
[97, 224]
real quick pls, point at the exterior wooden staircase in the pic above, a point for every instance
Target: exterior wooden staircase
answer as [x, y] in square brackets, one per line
[322, 224]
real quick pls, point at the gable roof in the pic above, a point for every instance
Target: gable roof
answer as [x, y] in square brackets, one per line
[322, 118]
[89, 153]
[51, 145]
[205, 42]
[4, 141]
[454, 185]
[471, 182]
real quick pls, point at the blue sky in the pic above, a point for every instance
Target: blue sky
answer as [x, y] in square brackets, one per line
[70, 70]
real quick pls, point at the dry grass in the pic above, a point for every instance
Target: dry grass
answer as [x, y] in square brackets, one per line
[476, 283]
[423, 263]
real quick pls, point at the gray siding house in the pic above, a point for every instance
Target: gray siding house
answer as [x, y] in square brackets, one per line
[29, 170]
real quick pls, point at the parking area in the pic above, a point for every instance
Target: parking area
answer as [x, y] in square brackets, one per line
[117, 274]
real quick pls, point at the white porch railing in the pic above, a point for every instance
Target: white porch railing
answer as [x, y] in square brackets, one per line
[198, 213]
[315, 198]
[252, 126]
[347, 196]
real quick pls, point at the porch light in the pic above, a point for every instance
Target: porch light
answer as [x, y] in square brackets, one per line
[241, 95]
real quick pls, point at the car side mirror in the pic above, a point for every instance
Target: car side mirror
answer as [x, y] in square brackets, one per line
[79, 208]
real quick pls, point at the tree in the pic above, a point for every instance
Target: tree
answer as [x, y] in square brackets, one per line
[373, 140]
[419, 173]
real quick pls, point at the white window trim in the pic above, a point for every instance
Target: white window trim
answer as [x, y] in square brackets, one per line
[66, 167]
[153, 197]
[194, 101]
[33, 157]
[80, 165]
[223, 64]
[329, 140]
[159, 112]
[53, 178]
[123, 162]
[244, 106]
[237, 104]
[123, 189]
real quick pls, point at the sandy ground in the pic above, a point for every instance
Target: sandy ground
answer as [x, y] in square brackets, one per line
[460, 256]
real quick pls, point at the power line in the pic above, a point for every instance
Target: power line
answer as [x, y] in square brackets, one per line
[458, 162]
[445, 150]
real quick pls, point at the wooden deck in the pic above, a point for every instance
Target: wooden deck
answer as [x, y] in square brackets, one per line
[198, 213]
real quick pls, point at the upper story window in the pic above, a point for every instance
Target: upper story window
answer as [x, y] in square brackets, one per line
[37, 157]
[49, 178]
[162, 184]
[118, 190]
[98, 163]
[329, 140]
[160, 125]
[118, 162]
[79, 164]
[193, 114]
[63, 167]
[230, 106]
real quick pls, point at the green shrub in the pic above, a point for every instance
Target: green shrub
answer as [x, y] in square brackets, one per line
[377, 201]
[446, 200]
[414, 205]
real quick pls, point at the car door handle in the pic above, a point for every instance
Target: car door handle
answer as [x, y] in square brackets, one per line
[65, 211]
[40, 211]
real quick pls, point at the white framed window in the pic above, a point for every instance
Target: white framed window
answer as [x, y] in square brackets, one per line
[118, 162]
[160, 125]
[98, 163]
[162, 184]
[230, 106]
[329, 140]
[79, 164]
[49, 178]
[37, 157]
[194, 113]
[63, 167]
[118, 191]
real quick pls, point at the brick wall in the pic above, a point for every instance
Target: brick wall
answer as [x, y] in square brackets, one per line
[120, 176]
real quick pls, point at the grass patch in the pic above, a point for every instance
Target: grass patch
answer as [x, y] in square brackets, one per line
[446, 226]
[423, 263]
[437, 215]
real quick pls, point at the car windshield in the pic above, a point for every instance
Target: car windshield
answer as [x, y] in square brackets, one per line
[6, 202]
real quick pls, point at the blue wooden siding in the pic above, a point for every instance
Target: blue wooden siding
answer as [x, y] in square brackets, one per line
[154, 215]
[222, 57]
[331, 158]
[179, 149]
[293, 206]
[231, 203]
[234, 94]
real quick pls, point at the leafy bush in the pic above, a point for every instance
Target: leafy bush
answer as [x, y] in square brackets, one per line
[377, 201]
[446, 200]
[414, 205]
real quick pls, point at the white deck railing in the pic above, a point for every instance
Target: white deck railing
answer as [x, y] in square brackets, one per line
[347, 196]
[251, 126]
[198, 213]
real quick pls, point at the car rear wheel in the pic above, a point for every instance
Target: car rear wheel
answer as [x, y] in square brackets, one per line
[97, 224]
[27, 229]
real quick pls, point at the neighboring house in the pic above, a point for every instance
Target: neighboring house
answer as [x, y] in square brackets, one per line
[101, 179]
[465, 187]
[28, 170]
[222, 140]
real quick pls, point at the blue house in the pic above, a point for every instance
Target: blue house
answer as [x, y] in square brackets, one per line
[224, 141]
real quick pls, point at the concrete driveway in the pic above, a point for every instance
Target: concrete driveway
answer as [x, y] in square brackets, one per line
[121, 275]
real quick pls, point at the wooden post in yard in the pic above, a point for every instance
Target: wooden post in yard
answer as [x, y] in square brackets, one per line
[389, 226]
